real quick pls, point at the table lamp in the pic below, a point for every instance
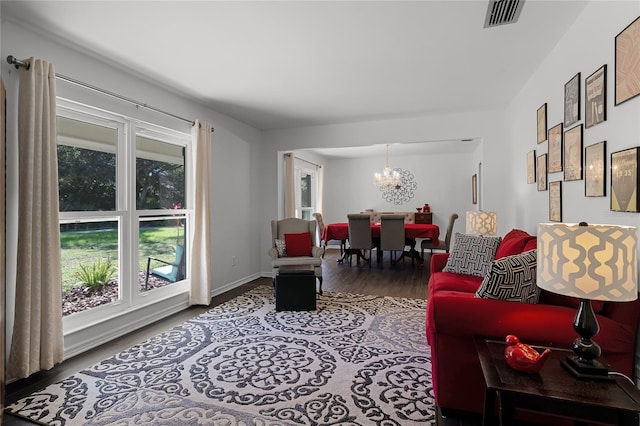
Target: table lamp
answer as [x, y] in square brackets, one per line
[589, 262]
[480, 222]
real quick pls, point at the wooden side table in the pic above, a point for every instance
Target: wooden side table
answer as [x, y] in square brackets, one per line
[423, 217]
[552, 391]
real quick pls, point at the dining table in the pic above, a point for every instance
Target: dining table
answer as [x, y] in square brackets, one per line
[340, 231]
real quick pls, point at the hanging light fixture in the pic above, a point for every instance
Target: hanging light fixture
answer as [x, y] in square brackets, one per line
[388, 178]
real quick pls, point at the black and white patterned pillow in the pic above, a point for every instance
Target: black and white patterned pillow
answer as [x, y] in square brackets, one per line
[472, 254]
[281, 247]
[512, 278]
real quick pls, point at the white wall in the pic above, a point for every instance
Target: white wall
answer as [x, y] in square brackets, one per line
[236, 159]
[248, 164]
[453, 187]
[349, 187]
[587, 46]
[507, 135]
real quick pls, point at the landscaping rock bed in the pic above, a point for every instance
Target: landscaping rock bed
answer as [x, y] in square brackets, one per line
[81, 298]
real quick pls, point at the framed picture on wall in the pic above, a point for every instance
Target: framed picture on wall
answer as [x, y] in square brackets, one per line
[474, 189]
[555, 148]
[542, 172]
[572, 101]
[542, 123]
[624, 180]
[594, 167]
[555, 201]
[595, 97]
[531, 166]
[573, 153]
[627, 63]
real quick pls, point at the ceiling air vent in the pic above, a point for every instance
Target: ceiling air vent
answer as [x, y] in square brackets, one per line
[502, 12]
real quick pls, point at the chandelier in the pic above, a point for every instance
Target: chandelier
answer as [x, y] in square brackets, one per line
[388, 178]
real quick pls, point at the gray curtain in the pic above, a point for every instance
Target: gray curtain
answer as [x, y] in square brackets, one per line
[37, 342]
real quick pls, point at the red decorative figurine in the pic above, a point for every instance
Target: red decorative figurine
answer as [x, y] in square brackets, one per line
[523, 357]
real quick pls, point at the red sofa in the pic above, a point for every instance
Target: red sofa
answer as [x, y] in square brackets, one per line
[455, 316]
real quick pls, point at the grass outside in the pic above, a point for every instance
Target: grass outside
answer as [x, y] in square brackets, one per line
[86, 247]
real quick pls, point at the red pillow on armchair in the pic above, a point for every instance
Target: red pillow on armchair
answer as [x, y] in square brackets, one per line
[298, 244]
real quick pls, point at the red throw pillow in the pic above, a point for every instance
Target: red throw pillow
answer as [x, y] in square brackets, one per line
[512, 243]
[531, 244]
[515, 233]
[510, 247]
[298, 244]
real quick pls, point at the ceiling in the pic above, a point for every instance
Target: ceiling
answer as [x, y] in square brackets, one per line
[405, 149]
[299, 63]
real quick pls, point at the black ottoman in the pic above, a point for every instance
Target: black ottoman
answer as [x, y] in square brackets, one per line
[295, 289]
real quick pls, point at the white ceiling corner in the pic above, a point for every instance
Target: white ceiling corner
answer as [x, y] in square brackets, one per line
[298, 63]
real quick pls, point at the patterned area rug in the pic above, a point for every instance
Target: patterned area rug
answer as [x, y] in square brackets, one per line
[357, 360]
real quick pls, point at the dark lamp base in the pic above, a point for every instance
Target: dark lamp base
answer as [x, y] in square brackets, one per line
[593, 370]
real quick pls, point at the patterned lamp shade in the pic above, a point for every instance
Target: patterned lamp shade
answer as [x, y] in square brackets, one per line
[481, 223]
[596, 262]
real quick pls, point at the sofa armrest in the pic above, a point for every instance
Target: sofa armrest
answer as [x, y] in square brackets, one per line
[438, 262]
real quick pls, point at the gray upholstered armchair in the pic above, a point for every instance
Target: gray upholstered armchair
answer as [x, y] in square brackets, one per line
[279, 255]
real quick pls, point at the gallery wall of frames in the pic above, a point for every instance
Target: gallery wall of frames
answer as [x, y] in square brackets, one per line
[604, 174]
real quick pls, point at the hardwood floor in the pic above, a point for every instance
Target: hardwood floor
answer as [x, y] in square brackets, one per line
[400, 280]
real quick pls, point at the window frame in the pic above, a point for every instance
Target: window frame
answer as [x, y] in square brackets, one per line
[125, 211]
[301, 168]
[161, 134]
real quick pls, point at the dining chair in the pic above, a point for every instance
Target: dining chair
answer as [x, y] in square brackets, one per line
[392, 235]
[323, 243]
[442, 245]
[360, 240]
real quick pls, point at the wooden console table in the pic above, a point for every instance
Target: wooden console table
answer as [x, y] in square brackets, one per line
[423, 218]
[552, 391]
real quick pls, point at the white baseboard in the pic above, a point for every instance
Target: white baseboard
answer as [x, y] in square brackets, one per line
[230, 286]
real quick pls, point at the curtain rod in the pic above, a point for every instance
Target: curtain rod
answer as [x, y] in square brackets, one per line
[12, 60]
[302, 159]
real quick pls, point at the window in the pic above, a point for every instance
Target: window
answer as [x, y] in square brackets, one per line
[86, 165]
[160, 186]
[306, 190]
[124, 211]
